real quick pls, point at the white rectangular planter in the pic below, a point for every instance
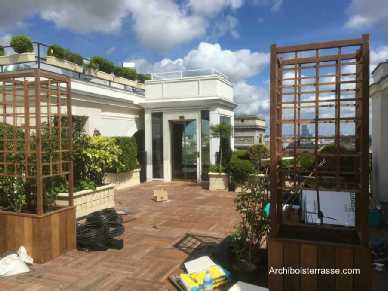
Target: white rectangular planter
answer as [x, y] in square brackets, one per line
[88, 201]
[123, 180]
[218, 181]
[100, 74]
[51, 60]
[17, 58]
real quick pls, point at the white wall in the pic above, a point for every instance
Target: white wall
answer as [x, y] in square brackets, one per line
[379, 95]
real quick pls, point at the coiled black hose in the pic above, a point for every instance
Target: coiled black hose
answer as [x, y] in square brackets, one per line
[99, 230]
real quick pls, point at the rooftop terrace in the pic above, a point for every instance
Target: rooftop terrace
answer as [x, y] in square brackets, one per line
[39, 59]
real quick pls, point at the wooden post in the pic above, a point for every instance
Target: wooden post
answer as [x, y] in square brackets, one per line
[39, 175]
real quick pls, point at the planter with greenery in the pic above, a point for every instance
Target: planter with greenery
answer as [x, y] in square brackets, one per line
[93, 158]
[240, 169]
[60, 57]
[218, 178]
[249, 241]
[126, 173]
[100, 68]
[24, 51]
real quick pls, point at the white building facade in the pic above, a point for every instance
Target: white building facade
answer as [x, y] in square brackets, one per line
[179, 112]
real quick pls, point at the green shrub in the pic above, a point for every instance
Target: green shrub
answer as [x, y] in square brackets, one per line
[12, 193]
[21, 44]
[143, 77]
[127, 73]
[74, 58]
[102, 64]
[256, 153]
[240, 169]
[128, 157]
[57, 51]
[306, 161]
[216, 169]
[1, 51]
[98, 155]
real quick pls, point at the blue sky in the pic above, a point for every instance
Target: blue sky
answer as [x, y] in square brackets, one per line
[233, 36]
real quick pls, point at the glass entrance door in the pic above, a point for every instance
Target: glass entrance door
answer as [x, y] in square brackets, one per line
[184, 150]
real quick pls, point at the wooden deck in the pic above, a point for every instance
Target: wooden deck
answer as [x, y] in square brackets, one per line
[150, 252]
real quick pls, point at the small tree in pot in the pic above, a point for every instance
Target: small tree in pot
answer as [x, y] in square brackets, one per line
[223, 132]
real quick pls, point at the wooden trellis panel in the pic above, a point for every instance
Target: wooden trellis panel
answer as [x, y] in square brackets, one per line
[320, 95]
[35, 113]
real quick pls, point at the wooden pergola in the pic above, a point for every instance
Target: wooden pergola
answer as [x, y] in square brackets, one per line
[322, 89]
[35, 113]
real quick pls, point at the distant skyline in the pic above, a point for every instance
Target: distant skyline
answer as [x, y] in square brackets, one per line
[232, 36]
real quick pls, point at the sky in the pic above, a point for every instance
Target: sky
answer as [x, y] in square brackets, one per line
[232, 36]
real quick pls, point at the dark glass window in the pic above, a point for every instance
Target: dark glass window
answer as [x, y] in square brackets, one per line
[205, 144]
[157, 144]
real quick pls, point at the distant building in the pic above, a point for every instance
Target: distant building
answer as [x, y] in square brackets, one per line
[248, 130]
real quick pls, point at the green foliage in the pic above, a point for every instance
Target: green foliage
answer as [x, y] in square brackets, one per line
[216, 169]
[256, 153]
[99, 155]
[143, 77]
[305, 161]
[330, 163]
[254, 226]
[12, 193]
[1, 50]
[74, 58]
[21, 44]
[223, 132]
[127, 73]
[101, 64]
[127, 159]
[57, 51]
[240, 169]
[64, 54]
[85, 185]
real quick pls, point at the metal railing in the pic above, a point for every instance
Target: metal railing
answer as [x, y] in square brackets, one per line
[40, 62]
[187, 74]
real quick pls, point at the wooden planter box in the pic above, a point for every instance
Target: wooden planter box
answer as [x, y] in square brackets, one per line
[88, 201]
[100, 74]
[218, 181]
[17, 58]
[51, 60]
[44, 236]
[123, 180]
[295, 253]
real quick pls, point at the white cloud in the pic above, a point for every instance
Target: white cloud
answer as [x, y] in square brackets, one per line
[158, 24]
[377, 56]
[228, 25]
[274, 4]
[252, 99]
[4, 39]
[366, 13]
[237, 65]
[212, 7]
[162, 24]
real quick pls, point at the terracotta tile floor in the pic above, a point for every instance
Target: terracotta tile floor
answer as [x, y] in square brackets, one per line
[150, 253]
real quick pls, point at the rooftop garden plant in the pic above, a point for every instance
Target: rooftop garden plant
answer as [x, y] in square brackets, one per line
[256, 153]
[101, 64]
[57, 51]
[1, 51]
[127, 73]
[240, 168]
[223, 132]
[127, 160]
[21, 44]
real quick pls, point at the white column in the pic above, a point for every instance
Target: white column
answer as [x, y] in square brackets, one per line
[166, 148]
[214, 119]
[148, 142]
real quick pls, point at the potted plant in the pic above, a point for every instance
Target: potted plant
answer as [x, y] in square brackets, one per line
[240, 169]
[126, 76]
[93, 157]
[218, 178]
[24, 51]
[60, 57]
[100, 68]
[125, 173]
